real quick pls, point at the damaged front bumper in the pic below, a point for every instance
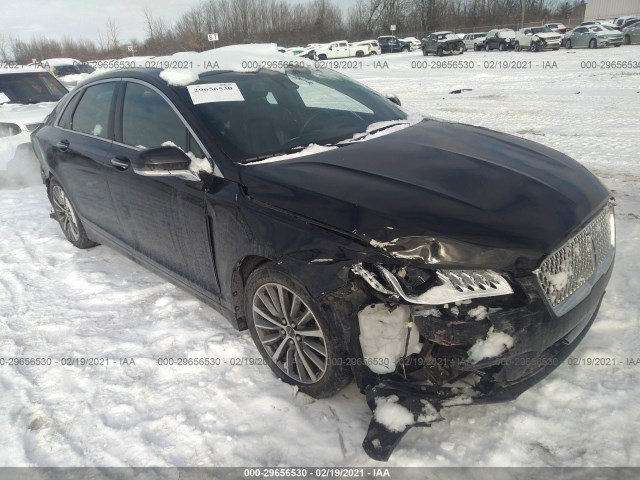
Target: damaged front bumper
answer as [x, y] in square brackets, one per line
[442, 375]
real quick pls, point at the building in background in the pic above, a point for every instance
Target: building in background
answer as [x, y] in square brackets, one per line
[610, 9]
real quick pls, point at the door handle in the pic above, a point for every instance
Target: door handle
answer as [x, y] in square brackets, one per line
[120, 163]
[63, 145]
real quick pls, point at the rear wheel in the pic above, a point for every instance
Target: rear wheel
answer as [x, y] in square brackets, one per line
[517, 47]
[65, 214]
[502, 47]
[405, 49]
[302, 344]
[627, 40]
[568, 44]
[476, 48]
[487, 47]
[440, 52]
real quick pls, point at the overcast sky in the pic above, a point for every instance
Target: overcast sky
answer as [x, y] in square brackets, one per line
[86, 18]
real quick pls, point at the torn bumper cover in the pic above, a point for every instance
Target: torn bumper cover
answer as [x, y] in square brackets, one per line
[449, 366]
[541, 343]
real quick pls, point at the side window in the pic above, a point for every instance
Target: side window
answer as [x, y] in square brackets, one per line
[92, 114]
[149, 121]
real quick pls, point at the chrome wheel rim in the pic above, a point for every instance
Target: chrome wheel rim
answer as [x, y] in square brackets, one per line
[290, 333]
[64, 213]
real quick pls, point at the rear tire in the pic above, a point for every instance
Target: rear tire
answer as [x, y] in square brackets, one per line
[517, 47]
[487, 48]
[303, 344]
[65, 214]
[627, 40]
[476, 48]
[568, 45]
[440, 52]
[502, 47]
[405, 49]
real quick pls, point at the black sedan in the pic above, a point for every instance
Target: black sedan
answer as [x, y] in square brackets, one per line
[437, 263]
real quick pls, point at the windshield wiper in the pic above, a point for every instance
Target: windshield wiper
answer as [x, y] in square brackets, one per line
[259, 158]
[362, 136]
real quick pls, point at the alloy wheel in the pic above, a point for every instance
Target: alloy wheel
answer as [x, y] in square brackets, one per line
[290, 333]
[64, 213]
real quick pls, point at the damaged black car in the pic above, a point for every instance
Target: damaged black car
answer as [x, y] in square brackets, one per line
[442, 43]
[436, 263]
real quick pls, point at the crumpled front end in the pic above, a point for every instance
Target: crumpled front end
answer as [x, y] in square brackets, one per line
[434, 337]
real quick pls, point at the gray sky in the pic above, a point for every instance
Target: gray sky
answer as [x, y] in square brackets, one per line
[86, 18]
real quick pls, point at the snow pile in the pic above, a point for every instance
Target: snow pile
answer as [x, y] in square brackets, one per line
[179, 78]
[457, 400]
[495, 344]
[383, 336]
[429, 413]
[393, 416]
[18, 167]
[479, 313]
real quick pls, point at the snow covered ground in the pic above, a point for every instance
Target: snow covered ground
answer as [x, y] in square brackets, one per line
[59, 302]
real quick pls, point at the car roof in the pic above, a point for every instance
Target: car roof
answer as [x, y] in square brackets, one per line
[23, 70]
[442, 32]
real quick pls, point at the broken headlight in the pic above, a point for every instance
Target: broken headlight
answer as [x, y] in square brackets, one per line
[434, 287]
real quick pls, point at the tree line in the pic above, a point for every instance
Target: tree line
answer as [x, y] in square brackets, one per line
[288, 23]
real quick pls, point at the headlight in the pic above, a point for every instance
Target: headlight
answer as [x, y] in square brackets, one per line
[445, 286]
[9, 129]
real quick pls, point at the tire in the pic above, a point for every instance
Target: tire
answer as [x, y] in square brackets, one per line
[618, 45]
[322, 56]
[555, 48]
[533, 47]
[405, 49]
[487, 48]
[568, 44]
[476, 48]
[593, 43]
[300, 358]
[440, 52]
[359, 53]
[425, 52]
[502, 47]
[627, 40]
[517, 47]
[65, 214]
[373, 53]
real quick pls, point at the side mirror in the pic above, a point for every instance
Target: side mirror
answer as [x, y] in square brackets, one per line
[394, 99]
[166, 161]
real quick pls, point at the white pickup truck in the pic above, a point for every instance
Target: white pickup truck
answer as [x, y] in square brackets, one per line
[341, 49]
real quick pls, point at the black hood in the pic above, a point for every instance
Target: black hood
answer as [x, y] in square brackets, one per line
[493, 191]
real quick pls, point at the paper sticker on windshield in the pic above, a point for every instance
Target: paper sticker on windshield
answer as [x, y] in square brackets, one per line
[4, 98]
[215, 92]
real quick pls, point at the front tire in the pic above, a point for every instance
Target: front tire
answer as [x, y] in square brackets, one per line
[487, 48]
[440, 52]
[517, 47]
[627, 40]
[302, 344]
[425, 52]
[405, 50]
[65, 214]
[568, 45]
[533, 47]
[593, 43]
[502, 47]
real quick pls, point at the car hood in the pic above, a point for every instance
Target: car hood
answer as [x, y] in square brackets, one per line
[483, 197]
[548, 35]
[25, 114]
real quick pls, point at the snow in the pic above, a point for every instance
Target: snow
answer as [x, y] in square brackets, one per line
[495, 344]
[392, 415]
[197, 165]
[179, 78]
[311, 149]
[479, 313]
[57, 301]
[383, 336]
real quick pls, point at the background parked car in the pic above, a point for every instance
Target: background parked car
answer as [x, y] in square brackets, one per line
[68, 70]
[474, 41]
[592, 36]
[631, 33]
[442, 43]
[415, 43]
[392, 44]
[537, 38]
[27, 96]
[372, 45]
[623, 21]
[501, 39]
[556, 27]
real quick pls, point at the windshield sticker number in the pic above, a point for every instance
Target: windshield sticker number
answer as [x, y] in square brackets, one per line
[215, 92]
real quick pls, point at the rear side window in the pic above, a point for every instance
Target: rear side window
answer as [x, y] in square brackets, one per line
[93, 111]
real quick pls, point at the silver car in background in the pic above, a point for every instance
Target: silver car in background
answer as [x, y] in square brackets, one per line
[474, 41]
[631, 33]
[593, 36]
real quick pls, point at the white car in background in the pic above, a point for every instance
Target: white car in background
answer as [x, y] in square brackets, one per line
[370, 46]
[68, 70]
[474, 41]
[27, 96]
[537, 38]
[415, 43]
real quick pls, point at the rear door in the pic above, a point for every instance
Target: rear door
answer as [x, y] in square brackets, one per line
[80, 149]
[166, 217]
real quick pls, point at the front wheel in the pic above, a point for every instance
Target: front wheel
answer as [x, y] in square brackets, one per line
[440, 52]
[533, 47]
[302, 344]
[405, 49]
[627, 40]
[65, 213]
[502, 47]
[568, 45]
[476, 48]
[593, 43]
[487, 48]
[517, 47]
[425, 52]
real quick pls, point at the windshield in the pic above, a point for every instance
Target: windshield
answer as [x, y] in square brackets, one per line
[269, 113]
[595, 29]
[27, 88]
[448, 36]
[540, 30]
[507, 34]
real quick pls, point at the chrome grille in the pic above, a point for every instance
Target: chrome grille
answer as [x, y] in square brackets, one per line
[577, 261]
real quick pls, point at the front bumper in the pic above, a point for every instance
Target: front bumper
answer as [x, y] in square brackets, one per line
[542, 342]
